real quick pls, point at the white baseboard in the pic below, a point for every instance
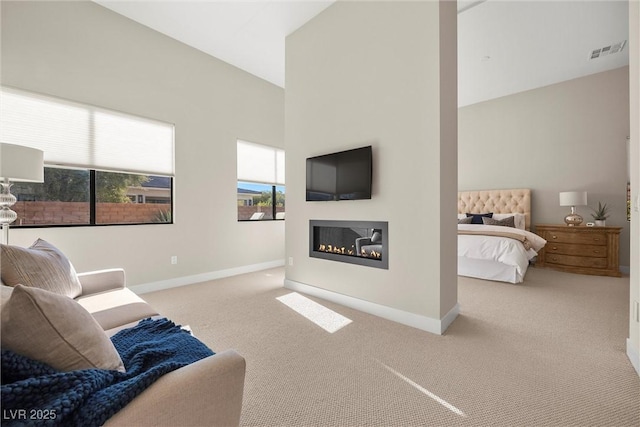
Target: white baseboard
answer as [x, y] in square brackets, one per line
[204, 277]
[449, 318]
[633, 356]
[435, 326]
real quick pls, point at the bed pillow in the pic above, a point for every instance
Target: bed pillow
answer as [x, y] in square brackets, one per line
[466, 220]
[477, 218]
[42, 266]
[506, 222]
[55, 330]
[519, 219]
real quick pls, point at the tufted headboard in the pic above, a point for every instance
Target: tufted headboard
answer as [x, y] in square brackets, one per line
[497, 201]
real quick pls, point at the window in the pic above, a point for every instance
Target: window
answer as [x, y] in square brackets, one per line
[260, 189]
[113, 203]
[101, 166]
[89, 197]
[63, 199]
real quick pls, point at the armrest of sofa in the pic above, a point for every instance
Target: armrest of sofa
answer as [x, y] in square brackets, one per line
[360, 242]
[207, 392]
[94, 282]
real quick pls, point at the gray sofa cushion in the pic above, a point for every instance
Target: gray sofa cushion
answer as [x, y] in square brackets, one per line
[116, 308]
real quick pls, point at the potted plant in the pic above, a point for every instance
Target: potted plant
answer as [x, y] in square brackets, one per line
[601, 214]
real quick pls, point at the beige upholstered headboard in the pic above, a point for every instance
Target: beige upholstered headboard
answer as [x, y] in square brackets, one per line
[497, 201]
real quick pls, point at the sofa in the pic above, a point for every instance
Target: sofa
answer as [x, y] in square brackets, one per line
[206, 392]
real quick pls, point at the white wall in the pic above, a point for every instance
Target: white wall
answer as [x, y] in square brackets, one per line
[633, 344]
[379, 73]
[84, 52]
[563, 137]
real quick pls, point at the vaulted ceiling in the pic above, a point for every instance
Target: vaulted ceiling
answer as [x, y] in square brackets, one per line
[504, 47]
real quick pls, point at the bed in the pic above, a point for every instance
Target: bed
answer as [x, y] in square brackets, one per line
[490, 251]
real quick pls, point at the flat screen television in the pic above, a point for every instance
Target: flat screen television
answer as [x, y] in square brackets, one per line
[345, 175]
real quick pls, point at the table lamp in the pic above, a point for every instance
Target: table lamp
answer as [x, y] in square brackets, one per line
[573, 199]
[17, 164]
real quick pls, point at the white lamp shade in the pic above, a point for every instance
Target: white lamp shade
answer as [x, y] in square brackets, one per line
[573, 198]
[19, 163]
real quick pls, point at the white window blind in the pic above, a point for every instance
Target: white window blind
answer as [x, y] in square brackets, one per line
[260, 163]
[72, 134]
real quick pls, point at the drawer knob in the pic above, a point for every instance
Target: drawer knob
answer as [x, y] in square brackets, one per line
[554, 259]
[596, 252]
[596, 239]
[554, 237]
[555, 248]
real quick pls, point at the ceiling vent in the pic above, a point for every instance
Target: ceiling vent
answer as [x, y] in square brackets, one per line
[607, 50]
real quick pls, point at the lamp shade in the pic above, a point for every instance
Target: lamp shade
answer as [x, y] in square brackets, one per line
[19, 163]
[573, 198]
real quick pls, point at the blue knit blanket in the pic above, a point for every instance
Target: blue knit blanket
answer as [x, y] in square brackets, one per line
[34, 394]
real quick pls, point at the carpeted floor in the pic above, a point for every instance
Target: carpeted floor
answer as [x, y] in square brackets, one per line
[549, 352]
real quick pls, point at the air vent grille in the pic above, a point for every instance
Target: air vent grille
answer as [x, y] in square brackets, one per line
[607, 50]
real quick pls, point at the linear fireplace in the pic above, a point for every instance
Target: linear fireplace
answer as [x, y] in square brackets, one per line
[355, 242]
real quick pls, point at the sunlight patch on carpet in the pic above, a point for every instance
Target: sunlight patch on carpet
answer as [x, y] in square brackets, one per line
[327, 319]
[423, 390]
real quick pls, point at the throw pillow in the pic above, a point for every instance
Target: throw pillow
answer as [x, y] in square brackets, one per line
[55, 330]
[42, 266]
[519, 219]
[5, 294]
[466, 220]
[506, 222]
[477, 218]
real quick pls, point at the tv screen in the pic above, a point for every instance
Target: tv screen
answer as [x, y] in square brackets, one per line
[345, 175]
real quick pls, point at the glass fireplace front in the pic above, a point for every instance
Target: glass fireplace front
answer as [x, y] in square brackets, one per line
[355, 242]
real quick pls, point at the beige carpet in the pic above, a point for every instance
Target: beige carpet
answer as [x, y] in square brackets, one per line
[550, 352]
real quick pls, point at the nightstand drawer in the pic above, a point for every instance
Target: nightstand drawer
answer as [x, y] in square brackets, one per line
[576, 261]
[584, 238]
[553, 248]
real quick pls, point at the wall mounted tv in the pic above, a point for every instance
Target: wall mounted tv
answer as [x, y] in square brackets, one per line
[345, 175]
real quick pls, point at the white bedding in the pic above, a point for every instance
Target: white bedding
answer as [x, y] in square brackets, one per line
[494, 257]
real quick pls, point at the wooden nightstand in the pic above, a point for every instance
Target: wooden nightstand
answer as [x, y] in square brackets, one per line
[581, 249]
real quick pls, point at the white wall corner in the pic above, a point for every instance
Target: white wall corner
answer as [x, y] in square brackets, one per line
[449, 318]
[204, 277]
[633, 356]
[428, 324]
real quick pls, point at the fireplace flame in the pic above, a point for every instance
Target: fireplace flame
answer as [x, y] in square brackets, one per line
[325, 247]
